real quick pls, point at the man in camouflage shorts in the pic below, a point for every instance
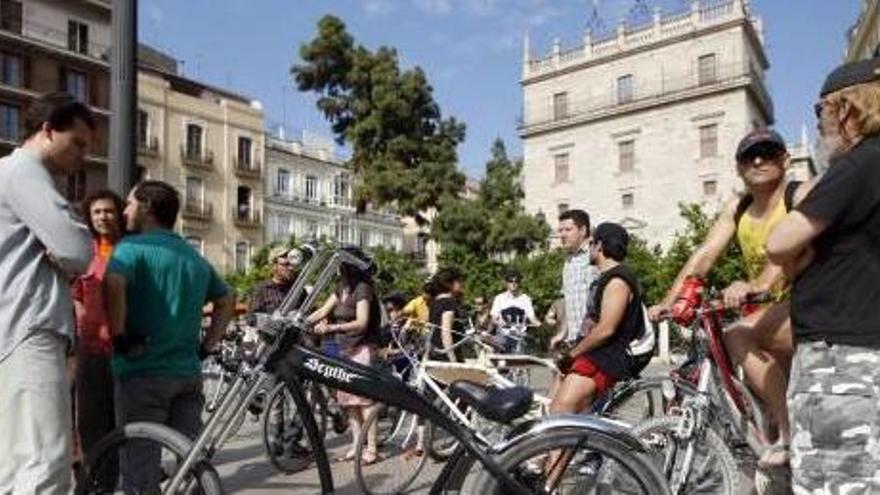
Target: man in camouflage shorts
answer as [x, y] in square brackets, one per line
[834, 397]
[831, 241]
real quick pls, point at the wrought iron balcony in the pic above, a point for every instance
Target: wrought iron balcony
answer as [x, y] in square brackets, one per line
[197, 158]
[251, 169]
[247, 217]
[195, 210]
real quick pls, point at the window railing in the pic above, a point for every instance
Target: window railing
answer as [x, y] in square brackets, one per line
[245, 216]
[248, 168]
[197, 157]
[198, 210]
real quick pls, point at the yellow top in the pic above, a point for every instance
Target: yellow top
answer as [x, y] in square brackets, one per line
[752, 237]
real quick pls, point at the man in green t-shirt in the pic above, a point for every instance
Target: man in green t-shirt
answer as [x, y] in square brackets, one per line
[156, 286]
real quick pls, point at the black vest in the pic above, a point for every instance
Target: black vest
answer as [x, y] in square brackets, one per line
[612, 357]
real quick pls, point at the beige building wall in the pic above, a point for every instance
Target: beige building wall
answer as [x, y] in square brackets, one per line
[864, 35]
[309, 195]
[634, 154]
[226, 227]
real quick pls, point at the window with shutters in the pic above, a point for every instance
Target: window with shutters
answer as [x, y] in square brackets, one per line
[10, 122]
[77, 37]
[560, 168]
[708, 69]
[282, 182]
[626, 151]
[76, 84]
[625, 92]
[708, 140]
[627, 200]
[11, 69]
[194, 141]
[10, 16]
[710, 188]
[560, 106]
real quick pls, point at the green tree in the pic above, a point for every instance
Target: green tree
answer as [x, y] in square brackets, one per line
[403, 150]
[496, 222]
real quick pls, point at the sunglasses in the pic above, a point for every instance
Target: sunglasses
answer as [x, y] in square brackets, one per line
[767, 152]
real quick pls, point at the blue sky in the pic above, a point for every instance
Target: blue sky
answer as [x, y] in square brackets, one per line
[470, 49]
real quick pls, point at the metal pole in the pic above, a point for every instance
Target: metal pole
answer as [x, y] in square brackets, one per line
[123, 97]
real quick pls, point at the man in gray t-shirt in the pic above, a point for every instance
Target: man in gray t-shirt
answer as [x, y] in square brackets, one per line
[43, 246]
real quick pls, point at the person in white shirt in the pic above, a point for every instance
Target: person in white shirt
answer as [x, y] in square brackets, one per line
[512, 306]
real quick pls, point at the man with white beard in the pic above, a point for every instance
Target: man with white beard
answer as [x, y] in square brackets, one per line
[831, 243]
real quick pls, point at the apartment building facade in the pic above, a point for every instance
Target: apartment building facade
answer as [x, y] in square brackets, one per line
[208, 143]
[56, 45]
[630, 124]
[309, 196]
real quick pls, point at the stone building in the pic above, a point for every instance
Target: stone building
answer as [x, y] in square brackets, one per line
[864, 36]
[208, 143]
[309, 196]
[56, 45]
[629, 124]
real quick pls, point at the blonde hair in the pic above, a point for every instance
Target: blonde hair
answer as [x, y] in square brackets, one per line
[865, 102]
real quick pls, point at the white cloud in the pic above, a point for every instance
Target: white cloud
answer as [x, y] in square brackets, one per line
[378, 7]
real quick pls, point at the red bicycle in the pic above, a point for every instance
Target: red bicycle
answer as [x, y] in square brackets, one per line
[692, 443]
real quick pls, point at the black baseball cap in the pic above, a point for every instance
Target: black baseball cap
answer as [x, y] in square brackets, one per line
[764, 137]
[851, 74]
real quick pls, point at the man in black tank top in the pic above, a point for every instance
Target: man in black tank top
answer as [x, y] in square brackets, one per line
[598, 360]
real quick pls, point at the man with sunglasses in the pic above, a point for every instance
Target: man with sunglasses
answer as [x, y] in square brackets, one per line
[832, 243]
[761, 341]
[267, 296]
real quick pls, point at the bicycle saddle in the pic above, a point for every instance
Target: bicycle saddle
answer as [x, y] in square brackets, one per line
[497, 404]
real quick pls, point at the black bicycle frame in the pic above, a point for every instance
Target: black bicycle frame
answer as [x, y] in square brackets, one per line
[301, 362]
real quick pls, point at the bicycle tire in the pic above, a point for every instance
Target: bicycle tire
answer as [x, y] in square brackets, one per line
[398, 417]
[726, 481]
[277, 449]
[175, 442]
[644, 399]
[641, 469]
[402, 448]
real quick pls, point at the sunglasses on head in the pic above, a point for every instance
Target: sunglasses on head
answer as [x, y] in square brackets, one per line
[765, 151]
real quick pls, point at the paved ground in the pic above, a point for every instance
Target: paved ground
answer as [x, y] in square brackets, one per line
[244, 468]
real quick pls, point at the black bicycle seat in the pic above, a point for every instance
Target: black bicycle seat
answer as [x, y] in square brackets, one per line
[497, 404]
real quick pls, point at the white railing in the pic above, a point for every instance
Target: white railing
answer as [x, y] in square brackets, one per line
[663, 27]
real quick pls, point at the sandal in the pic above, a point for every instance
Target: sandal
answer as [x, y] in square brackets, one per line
[349, 456]
[775, 455]
[369, 458]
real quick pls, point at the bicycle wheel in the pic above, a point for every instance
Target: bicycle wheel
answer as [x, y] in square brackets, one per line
[142, 458]
[713, 468]
[391, 422]
[644, 399]
[443, 444]
[596, 464]
[284, 436]
[401, 457]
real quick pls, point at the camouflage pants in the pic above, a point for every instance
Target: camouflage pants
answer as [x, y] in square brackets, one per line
[834, 406]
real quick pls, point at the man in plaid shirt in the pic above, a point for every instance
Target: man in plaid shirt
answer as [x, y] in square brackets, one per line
[577, 274]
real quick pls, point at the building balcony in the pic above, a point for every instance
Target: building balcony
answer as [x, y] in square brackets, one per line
[203, 159]
[248, 169]
[247, 217]
[650, 93]
[54, 40]
[149, 148]
[194, 210]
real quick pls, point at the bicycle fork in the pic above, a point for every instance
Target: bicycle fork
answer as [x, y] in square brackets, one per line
[691, 426]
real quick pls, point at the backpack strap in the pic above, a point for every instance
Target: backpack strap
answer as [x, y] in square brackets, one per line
[790, 189]
[744, 202]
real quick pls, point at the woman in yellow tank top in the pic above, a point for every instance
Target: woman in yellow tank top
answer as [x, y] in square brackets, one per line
[751, 235]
